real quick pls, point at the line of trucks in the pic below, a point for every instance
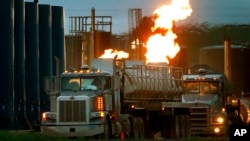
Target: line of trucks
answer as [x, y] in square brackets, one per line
[129, 98]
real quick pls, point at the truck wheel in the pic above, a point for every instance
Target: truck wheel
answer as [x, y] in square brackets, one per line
[182, 125]
[135, 127]
[126, 127]
[141, 127]
[117, 129]
[177, 126]
[244, 114]
[175, 132]
[187, 126]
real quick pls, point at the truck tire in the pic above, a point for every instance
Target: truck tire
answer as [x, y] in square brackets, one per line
[117, 129]
[126, 127]
[244, 108]
[187, 126]
[182, 125]
[175, 132]
[141, 127]
[135, 127]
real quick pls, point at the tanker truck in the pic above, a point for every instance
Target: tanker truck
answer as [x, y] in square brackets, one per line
[119, 98]
[128, 98]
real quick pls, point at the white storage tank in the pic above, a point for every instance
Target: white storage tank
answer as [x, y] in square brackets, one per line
[240, 64]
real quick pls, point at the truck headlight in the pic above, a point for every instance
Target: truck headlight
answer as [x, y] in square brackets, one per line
[48, 118]
[216, 130]
[49, 115]
[234, 102]
[218, 120]
[100, 114]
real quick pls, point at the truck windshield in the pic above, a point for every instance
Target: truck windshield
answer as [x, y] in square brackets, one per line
[201, 87]
[84, 83]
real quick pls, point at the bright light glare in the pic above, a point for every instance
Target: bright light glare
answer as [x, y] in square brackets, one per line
[220, 120]
[216, 130]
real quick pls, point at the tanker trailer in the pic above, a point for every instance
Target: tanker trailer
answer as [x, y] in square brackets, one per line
[146, 90]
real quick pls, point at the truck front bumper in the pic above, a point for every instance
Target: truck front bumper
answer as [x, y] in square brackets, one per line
[210, 130]
[218, 129]
[73, 130]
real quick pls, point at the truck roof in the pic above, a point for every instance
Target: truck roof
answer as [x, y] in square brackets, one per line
[80, 74]
[205, 77]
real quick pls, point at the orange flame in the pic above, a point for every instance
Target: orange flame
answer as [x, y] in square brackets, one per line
[162, 45]
[110, 53]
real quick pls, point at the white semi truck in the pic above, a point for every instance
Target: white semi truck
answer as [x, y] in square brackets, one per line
[218, 108]
[126, 98]
[206, 91]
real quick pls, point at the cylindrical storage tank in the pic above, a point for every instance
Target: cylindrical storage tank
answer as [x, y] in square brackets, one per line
[58, 40]
[240, 66]
[7, 65]
[32, 63]
[102, 42]
[45, 54]
[19, 73]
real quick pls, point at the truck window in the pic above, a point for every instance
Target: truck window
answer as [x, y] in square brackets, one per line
[93, 83]
[201, 87]
[85, 83]
[70, 84]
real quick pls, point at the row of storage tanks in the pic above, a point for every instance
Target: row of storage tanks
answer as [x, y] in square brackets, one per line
[31, 37]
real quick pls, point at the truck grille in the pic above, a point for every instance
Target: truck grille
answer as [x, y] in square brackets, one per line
[199, 120]
[72, 111]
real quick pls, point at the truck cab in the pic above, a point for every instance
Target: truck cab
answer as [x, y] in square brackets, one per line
[83, 105]
[204, 90]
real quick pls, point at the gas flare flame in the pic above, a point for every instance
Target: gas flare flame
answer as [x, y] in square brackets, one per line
[162, 46]
[110, 53]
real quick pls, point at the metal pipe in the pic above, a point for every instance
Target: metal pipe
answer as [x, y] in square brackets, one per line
[227, 58]
[92, 46]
